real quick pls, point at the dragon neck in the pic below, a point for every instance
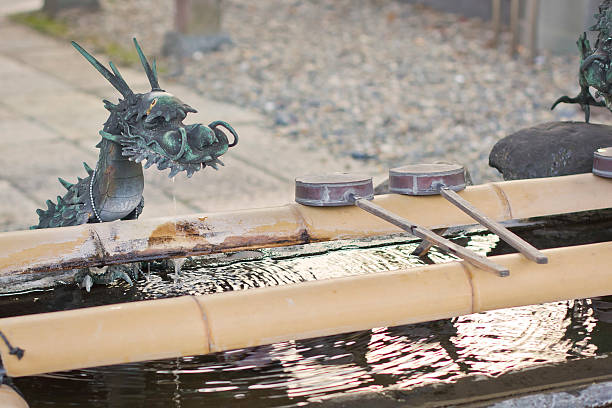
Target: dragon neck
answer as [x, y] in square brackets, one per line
[118, 183]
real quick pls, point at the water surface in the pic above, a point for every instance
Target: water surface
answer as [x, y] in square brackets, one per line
[295, 373]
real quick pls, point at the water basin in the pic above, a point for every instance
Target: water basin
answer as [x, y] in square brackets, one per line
[297, 373]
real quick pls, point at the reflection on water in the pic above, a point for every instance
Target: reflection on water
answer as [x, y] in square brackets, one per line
[297, 372]
[291, 373]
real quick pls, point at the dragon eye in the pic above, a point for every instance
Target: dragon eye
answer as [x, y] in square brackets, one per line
[151, 106]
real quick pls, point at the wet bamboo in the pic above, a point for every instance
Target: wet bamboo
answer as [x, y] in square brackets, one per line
[9, 398]
[23, 253]
[188, 325]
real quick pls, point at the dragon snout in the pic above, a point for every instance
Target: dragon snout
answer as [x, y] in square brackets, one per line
[187, 143]
[200, 137]
[192, 147]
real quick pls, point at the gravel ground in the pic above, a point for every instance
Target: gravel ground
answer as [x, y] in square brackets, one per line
[372, 79]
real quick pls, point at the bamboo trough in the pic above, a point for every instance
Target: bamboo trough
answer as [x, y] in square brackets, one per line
[138, 331]
[37, 254]
[195, 325]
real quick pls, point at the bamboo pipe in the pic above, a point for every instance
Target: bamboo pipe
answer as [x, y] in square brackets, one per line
[188, 325]
[10, 399]
[36, 251]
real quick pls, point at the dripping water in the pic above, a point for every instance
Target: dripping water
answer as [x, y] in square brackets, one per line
[178, 264]
[174, 199]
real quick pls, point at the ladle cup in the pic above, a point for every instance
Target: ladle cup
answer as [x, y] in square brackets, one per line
[344, 189]
[602, 162]
[446, 179]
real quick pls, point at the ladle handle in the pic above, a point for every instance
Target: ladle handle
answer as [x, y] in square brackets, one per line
[424, 233]
[511, 238]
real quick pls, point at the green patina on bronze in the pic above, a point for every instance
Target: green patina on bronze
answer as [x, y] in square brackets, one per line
[595, 65]
[142, 128]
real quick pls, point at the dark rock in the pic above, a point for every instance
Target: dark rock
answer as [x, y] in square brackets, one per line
[549, 150]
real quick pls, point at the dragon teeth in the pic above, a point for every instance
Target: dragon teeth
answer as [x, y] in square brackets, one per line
[174, 171]
[162, 165]
[192, 168]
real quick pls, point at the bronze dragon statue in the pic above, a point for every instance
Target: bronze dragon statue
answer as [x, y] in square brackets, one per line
[141, 127]
[595, 65]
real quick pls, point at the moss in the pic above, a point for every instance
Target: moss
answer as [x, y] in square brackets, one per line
[124, 56]
[119, 54]
[55, 27]
[39, 21]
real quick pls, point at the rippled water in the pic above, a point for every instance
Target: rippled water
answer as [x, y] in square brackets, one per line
[297, 372]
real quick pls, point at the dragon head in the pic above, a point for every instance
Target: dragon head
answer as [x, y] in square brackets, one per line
[149, 126]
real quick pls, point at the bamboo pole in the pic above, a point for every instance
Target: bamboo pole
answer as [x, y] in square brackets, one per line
[10, 399]
[37, 252]
[189, 325]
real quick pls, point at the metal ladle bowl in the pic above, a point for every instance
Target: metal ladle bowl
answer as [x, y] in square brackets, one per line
[344, 189]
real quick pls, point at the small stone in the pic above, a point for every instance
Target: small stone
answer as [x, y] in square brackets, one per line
[284, 119]
[362, 156]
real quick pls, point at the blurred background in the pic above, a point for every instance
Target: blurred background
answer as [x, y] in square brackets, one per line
[310, 86]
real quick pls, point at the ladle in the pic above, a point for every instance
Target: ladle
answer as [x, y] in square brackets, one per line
[446, 179]
[343, 189]
[602, 162]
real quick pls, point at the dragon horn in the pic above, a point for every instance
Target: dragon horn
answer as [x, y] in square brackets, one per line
[115, 79]
[151, 72]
